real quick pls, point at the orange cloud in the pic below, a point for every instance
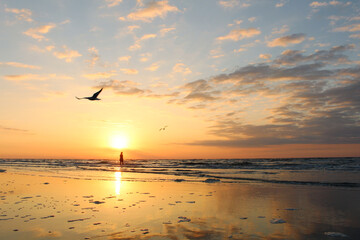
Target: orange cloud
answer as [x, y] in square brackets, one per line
[67, 54]
[287, 40]
[30, 77]
[349, 28]
[152, 10]
[24, 77]
[99, 75]
[113, 3]
[238, 34]
[19, 65]
[129, 71]
[153, 67]
[181, 68]
[21, 14]
[38, 32]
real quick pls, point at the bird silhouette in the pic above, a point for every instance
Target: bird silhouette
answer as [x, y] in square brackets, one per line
[93, 97]
[163, 128]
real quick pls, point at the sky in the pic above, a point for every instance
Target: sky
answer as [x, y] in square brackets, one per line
[180, 79]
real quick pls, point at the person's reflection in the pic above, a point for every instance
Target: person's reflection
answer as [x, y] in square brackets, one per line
[117, 182]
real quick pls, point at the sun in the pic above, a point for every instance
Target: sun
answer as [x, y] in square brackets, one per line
[119, 142]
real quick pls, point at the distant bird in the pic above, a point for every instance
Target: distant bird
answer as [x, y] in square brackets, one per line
[163, 128]
[93, 97]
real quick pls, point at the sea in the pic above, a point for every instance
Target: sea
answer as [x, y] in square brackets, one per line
[343, 172]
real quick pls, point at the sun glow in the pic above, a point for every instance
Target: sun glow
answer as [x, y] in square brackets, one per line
[119, 142]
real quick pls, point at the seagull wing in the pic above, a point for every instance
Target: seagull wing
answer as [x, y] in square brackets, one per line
[97, 93]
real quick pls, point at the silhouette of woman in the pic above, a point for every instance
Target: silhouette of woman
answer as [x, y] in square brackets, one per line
[121, 158]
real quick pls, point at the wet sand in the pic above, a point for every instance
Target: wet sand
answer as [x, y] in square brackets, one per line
[34, 206]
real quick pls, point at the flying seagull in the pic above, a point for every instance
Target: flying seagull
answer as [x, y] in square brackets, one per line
[93, 97]
[163, 128]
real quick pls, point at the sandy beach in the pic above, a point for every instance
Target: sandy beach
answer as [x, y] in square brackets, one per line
[34, 205]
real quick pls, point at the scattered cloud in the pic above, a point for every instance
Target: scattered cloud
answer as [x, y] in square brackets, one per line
[240, 50]
[153, 67]
[233, 3]
[287, 40]
[24, 77]
[137, 44]
[36, 77]
[113, 3]
[164, 31]
[38, 32]
[67, 54]
[129, 71]
[331, 3]
[124, 58]
[152, 10]
[122, 87]
[349, 28]
[238, 34]
[281, 3]
[318, 4]
[99, 75]
[21, 14]
[19, 65]
[94, 54]
[265, 56]
[10, 129]
[229, 3]
[333, 55]
[282, 30]
[355, 35]
[252, 19]
[181, 68]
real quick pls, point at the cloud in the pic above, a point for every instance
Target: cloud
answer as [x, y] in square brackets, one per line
[124, 58]
[306, 100]
[38, 32]
[287, 40]
[238, 34]
[67, 54]
[349, 28]
[122, 87]
[19, 65]
[282, 30]
[334, 55]
[152, 10]
[10, 129]
[318, 4]
[181, 68]
[281, 3]
[36, 77]
[331, 3]
[229, 3]
[355, 36]
[163, 31]
[99, 75]
[113, 3]
[233, 3]
[95, 58]
[137, 44]
[129, 71]
[252, 19]
[153, 67]
[265, 56]
[21, 14]
[24, 77]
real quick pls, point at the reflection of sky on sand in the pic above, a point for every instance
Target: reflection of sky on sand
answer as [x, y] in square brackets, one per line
[123, 209]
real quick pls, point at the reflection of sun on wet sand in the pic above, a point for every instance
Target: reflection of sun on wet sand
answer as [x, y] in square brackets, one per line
[38, 207]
